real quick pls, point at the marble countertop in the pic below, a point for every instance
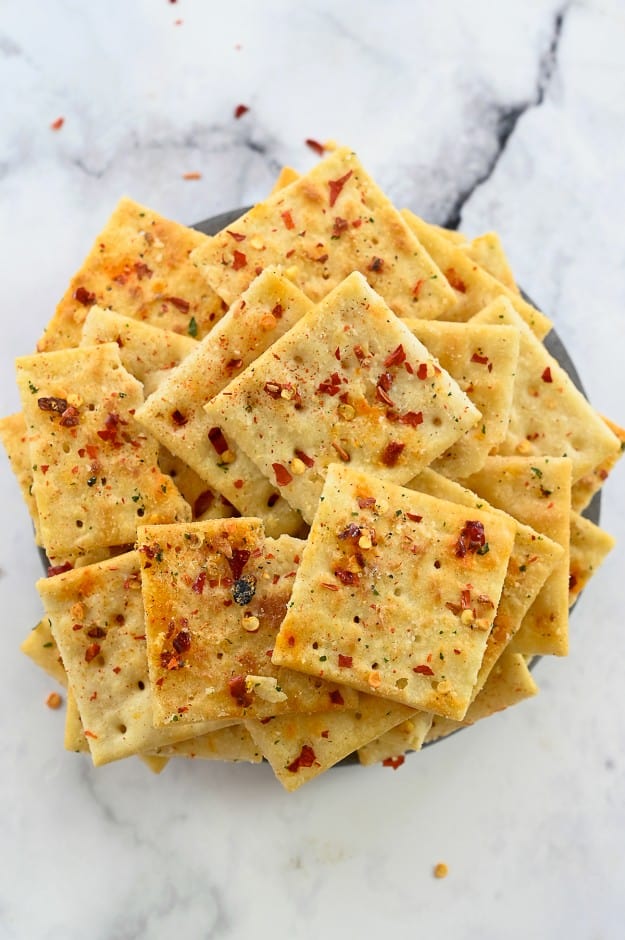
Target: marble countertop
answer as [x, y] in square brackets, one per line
[507, 116]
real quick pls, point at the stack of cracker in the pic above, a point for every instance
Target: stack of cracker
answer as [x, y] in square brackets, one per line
[309, 488]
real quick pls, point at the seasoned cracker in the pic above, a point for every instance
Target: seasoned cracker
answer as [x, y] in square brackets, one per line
[473, 287]
[300, 747]
[536, 491]
[404, 587]
[94, 469]
[407, 736]
[175, 415]
[487, 251]
[483, 364]
[586, 487]
[590, 545]
[147, 352]
[348, 382]
[139, 266]
[215, 594]
[509, 683]
[534, 556]
[40, 646]
[98, 624]
[324, 225]
[205, 502]
[15, 438]
[549, 415]
[233, 743]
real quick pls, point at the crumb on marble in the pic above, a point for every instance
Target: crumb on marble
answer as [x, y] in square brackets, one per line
[441, 870]
[54, 700]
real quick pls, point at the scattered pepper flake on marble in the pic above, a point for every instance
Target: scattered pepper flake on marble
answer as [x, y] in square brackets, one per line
[194, 175]
[57, 124]
[240, 110]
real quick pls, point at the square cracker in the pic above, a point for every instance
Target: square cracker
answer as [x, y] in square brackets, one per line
[15, 438]
[586, 487]
[97, 621]
[94, 469]
[484, 366]
[147, 352]
[215, 594]
[405, 588]
[474, 288]
[487, 251]
[349, 381]
[590, 545]
[407, 736]
[534, 557]
[509, 683]
[40, 646]
[549, 414]
[324, 225]
[139, 265]
[300, 747]
[175, 416]
[537, 492]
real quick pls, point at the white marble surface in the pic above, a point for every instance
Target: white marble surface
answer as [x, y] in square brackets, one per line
[508, 115]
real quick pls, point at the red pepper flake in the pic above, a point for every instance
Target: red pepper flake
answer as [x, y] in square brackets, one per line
[179, 303]
[381, 392]
[234, 364]
[70, 417]
[84, 296]
[194, 175]
[336, 186]
[416, 290]
[396, 357]
[238, 691]
[238, 484]
[422, 371]
[178, 418]
[217, 439]
[465, 599]
[471, 539]
[90, 734]
[346, 577]
[53, 570]
[305, 758]
[337, 354]
[336, 698]
[238, 237]
[356, 223]
[423, 670]
[277, 311]
[391, 453]
[412, 418]
[315, 146]
[57, 124]
[182, 641]
[345, 662]
[351, 532]
[325, 734]
[239, 260]
[330, 587]
[283, 477]
[393, 762]
[366, 502]
[238, 561]
[482, 360]
[546, 376]
[306, 460]
[339, 226]
[287, 218]
[376, 265]
[273, 389]
[198, 585]
[331, 385]
[240, 110]
[341, 452]
[96, 633]
[91, 652]
[413, 517]
[58, 405]
[44, 467]
[142, 270]
[572, 581]
[455, 280]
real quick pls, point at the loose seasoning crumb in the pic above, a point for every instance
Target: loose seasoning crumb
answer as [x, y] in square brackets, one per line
[58, 124]
[192, 176]
[54, 700]
[441, 870]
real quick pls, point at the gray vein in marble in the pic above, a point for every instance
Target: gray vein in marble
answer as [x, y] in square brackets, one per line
[507, 117]
[8, 48]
